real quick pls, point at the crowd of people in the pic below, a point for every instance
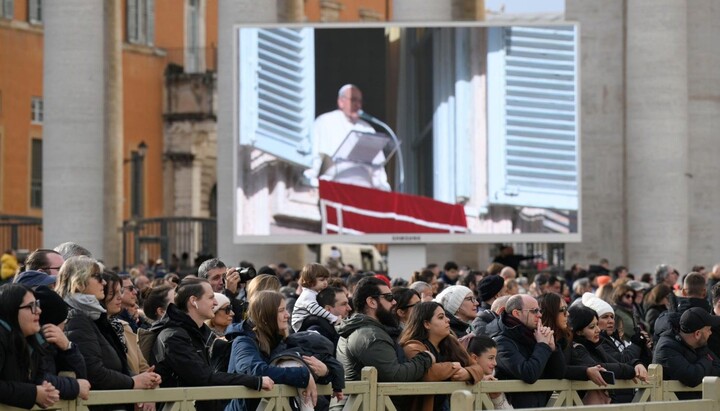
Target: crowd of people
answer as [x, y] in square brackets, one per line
[238, 326]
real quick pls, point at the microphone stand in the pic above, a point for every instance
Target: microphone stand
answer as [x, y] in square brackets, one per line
[401, 165]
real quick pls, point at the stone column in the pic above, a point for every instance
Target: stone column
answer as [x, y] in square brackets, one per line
[113, 190]
[602, 129]
[74, 97]
[657, 133]
[703, 125]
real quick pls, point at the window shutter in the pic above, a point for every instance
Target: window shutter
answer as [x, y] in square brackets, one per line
[532, 117]
[132, 26]
[277, 92]
[33, 11]
[9, 9]
[150, 21]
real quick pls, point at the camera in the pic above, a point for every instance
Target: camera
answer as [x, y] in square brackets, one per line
[246, 273]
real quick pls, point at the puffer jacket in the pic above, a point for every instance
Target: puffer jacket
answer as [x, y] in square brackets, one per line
[104, 354]
[485, 323]
[364, 342]
[9, 266]
[520, 357]
[683, 363]
[588, 354]
[246, 358]
[181, 356]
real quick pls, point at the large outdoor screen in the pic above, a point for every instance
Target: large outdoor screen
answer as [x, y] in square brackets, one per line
[407, 134]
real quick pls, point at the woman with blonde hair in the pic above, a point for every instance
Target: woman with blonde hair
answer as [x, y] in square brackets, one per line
[81, 284]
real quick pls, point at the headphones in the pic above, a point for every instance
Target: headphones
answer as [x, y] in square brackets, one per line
[195, 304]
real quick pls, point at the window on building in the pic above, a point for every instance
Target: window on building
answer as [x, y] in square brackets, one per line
[141, 22]
[35, 11]
[136, 184]
[7, 9]
[36, 110]
[192, 51]
[36, 174]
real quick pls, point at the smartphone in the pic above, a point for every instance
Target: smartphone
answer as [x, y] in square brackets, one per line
[608, 376]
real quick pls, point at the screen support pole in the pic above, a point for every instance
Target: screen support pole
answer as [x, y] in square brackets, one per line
[404, 259]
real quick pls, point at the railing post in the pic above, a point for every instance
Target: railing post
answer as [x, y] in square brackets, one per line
[655, 374]
[461, 400]
[711, 391]
[369, 402]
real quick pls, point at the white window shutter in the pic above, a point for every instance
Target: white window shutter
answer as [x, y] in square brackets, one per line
[132, 20]
[33, 11]
[533, 117]
[9, 9]
[277, 92]
[150, 22]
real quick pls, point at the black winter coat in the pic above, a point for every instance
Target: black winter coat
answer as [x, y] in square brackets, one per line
[322, 326]
[181, 356]
[17, 383]
[104, 354]
[520, 357]
[683, 363]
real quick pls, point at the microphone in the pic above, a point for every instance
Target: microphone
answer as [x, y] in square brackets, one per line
[401, 167]
[365, 116]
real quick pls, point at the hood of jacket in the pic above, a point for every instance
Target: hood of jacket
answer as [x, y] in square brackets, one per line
[174, 317]
[686, 303]
[244, 327]
[349, 326]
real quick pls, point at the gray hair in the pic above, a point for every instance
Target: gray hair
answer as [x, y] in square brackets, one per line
[343, 89]
[661, 272]
[208, 265]
[70, 249]
[514, 303]
[419, 286]
[580, 285]
[75, 274]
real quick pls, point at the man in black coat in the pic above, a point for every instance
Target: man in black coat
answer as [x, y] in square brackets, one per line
[526, 350]
[684, 354]
[335, 301]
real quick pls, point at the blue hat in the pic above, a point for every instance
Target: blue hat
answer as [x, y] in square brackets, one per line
[34, 278]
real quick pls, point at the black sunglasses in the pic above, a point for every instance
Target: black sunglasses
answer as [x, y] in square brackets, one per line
[228, 309]
[387, 296]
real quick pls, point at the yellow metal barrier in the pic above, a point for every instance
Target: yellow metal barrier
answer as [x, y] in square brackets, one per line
[369, 395]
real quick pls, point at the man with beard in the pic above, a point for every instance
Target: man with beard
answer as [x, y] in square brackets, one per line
[364, 341]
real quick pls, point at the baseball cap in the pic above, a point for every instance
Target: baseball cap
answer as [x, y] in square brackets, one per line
[696, 318]
[34, 278]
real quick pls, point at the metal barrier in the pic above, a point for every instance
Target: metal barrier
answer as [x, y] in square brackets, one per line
[20, 233]
[369, 395]
[152, 238]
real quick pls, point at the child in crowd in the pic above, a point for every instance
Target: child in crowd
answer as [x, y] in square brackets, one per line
[483, 350]
[313, 279]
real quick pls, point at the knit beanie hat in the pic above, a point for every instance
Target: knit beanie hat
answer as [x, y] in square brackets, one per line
[580, 317]
[54, 308]
[221, 301]
[601, 307]
[490, 286]
[451, 298]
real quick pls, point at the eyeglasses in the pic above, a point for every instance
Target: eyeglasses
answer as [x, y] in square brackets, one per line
[130, 288]
[387, 296]
[228, 309]
[33, 306]
[473, 299]
[535, 311]
[51, 268]
[628, 296]
[563, 310]
[97, 276]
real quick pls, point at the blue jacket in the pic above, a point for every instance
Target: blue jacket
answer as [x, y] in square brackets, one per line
[246, 358]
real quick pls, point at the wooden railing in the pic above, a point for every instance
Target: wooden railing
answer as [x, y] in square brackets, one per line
[369, 395]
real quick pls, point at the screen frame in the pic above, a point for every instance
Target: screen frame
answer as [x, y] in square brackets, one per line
[404, 238]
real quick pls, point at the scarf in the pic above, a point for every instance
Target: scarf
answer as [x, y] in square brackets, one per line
[86, 303]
